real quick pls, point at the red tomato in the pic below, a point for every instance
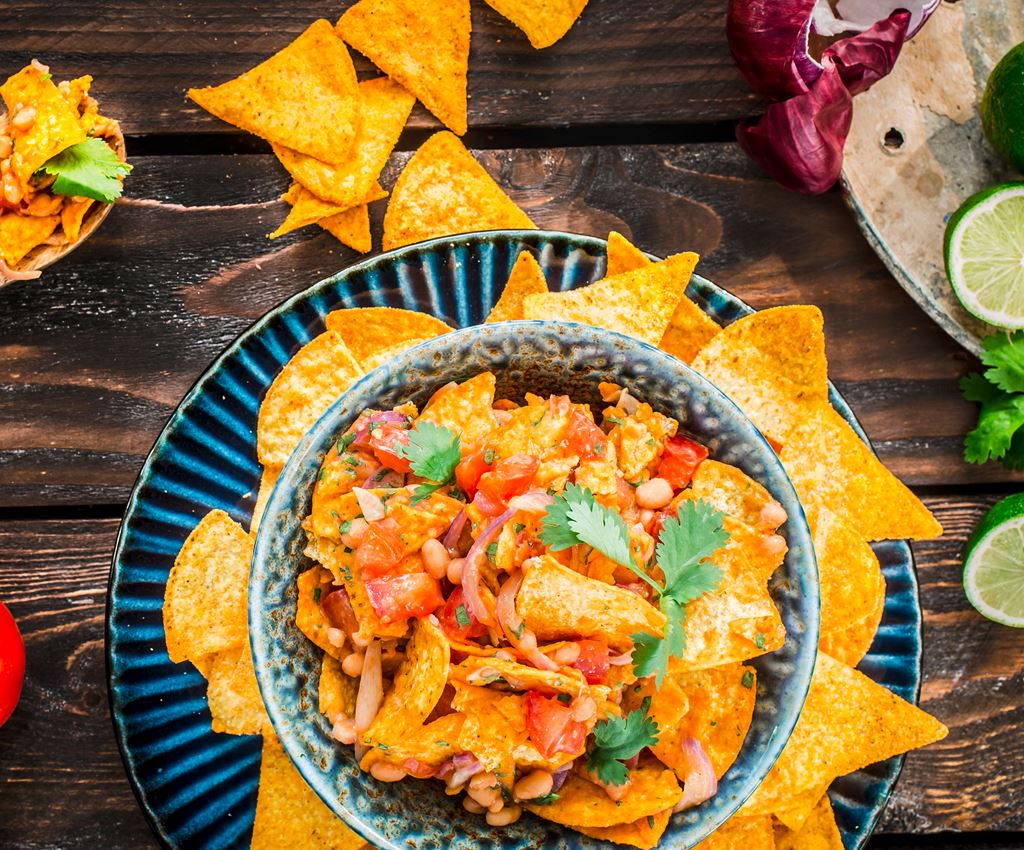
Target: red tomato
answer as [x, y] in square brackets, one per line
[380, 549]
[680, 460]
[593, 660]
[12, 664]
[510, 477]
[384, 441]
[550, 726]
[401, 597]
[584, 438]
[450, 618]
[469, 470]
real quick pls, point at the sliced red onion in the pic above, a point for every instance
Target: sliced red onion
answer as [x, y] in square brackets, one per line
[621, 660]
[532, 502]
[471, 569]
[699, 783]
[454, 532]
[860, 15]
[462, 767]
[338, 608]
[513, 627]
[7, 273]
[628, 403]
[370, 504]
[559, 776]
[371, 689]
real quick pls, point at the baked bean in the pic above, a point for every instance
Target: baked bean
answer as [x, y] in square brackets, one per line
[455, 570]
[435, 559]
[566, 655]
[773, 515]
[386, 772]
[344, 730]
[12, 191]
[471, 805]
[535, 784]
[353, 664]
[654, 494]
[24, 118]
[509, 814]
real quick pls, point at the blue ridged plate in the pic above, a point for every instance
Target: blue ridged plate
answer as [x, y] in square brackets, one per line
[198, 788]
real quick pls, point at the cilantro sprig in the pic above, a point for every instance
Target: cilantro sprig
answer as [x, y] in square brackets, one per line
[90, 169]
[999, 434]
[576, 517]
[433, 453]
[618, 739]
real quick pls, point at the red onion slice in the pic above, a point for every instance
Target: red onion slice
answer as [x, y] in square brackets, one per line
[370, 694]
[471, 569]
[700, 783]
[7, 273]
[454, 532]
[371, 505]
[513, 627]
[532, 502]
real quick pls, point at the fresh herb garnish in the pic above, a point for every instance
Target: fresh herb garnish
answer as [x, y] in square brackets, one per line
[576, 517]
[650, 821]
[759, 640]
[433, 452]
[748, 680]
[90, 169]
[462, 617]
[999, 434]
[489, 457]
[423, 491]
[316, 595]
[614, 420]
[618, 739]
[546, 800]
[342, 445]
[492, 553]
[345, 527]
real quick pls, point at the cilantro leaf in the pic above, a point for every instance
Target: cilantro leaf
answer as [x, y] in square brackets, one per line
[90, 169]
[1000, 418]
[433, 452]
[602, 528]
[618, 739]
[685, 542]
[651, 654]
[1004, 355]
[556, 533]
[424, 491]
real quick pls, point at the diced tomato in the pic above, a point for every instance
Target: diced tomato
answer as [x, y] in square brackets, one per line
[584, 438]
[593, 660]
[487, 505]
[338, 609]
[510, 477]
[401, 597]
[460, 625]
[469, 470]
[657, 524]
[385, 439]
[550, 726]
[680, 460]
[380, 550]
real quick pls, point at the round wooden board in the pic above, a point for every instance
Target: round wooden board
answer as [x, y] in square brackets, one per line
[916, 150]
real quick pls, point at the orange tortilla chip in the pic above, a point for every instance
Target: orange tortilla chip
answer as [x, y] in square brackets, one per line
[337, 691]
[19, 234]
[308, 209]
[234, 696]
[386, 107]
[428, 519]
[862, 722]
[71, 216]
[740, 833]
[368, 331]
[313, 585]
[351, 227]
[382, 356]
[267, 482]
[308, 384]
[443, 190]
[421, 44]
[495, 727]
[304, 97]
[819, 831]
[623, 255]
[464, 408]
[481, 671]
[289, 813]
[556, 603]
[526, 279]
[644, 833]
[798, 808]
[731, 491]
[543, 21]
[668, 706]
[431, 744]
[637, 303]
[205, 603]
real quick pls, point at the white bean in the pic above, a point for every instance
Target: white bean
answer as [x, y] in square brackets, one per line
[471, 805]
[435, 559]
[455, 570]
[566, 655]
[344, 730]
[353, 664]
[535, 784]
[387, 772]
[654, 494]
[509, 814]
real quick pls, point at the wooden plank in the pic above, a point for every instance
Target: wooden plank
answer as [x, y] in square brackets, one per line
[647, 61]
[63, 785]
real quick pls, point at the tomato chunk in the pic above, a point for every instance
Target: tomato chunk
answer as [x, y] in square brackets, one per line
[458, 621]
[380, 550]
[550, 726]
[680, 460]
[401, 597]
[593, 660]
[470, 468]
[385, 438]
[12, 664]
[584, 438]
[510, 477]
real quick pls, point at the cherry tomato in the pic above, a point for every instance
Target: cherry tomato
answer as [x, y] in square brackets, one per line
[550, 726]
[385, 439]
[584, 438]
[460, 626]
[469, 470]
[593, 660]
[12, 664]
[380, 550]
[680, 460]
[401, 597]
[510, 477]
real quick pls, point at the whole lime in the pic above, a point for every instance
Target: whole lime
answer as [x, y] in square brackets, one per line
[1002, 107]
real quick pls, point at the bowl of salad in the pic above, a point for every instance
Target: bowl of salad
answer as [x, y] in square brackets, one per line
[533, 584]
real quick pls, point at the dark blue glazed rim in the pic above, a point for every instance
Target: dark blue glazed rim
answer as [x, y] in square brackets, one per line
[197, 788]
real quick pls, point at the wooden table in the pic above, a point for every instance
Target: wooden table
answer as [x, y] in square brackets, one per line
[627, 124]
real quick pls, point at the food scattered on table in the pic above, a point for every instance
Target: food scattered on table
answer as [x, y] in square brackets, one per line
[61, 162]
[419, 514]
[543, 21]
[994, 563]
[12, 664]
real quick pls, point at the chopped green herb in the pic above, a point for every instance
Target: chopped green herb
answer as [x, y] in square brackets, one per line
[518, 527]
[323, 472]
[564, 698]
[47, 77]
[492, 552]
[650, 442]
[489, 457]
[535, 424]
[352, 460]
[433, 452]
[599, 448]
[546, 800]
[347, 550]
[518, 630]
[343, 444]
[462, 617]
[650, 821]
[748, 680]
[442, 744]
[316, 595]
[90, 169]
[384, 747]
[759, 640]
[614, 420]
[346, 573]
[618, 739]
[345, 527]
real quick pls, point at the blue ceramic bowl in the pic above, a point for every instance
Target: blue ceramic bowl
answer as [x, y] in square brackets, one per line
[544, 358]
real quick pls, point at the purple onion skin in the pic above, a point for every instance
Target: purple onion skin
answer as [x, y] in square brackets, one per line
[559, 776]
[767, 39]
[864, 59]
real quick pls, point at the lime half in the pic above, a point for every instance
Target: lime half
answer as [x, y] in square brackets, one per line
[994, 563]
[985, 255]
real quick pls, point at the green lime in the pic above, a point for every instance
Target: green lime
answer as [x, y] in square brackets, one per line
[1002, 107]
[984, 249]
[994, 563]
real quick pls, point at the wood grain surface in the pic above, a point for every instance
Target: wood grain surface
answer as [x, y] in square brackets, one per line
[125, 325]
[53, 576]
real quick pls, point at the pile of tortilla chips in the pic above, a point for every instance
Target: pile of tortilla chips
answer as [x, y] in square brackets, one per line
[773, 364]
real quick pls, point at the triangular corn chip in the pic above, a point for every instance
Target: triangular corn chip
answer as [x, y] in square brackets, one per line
[385, 354]
[19, 234]
[740, 833]
[313, 585]
[351, 227]
[386, 106]
[422, 44]
[369, 330]
[847, 723]
[308, 209]
[526, 279]
[205, 600]
[464, 408]
[234, 695]
[543, 21]
[819, 831]
[799, 808]
[623, 255]
[443, 190]
[267, 482]
[337, 691]
[644, 833]
[71, 216]
[637, 303]
[308, 384]
[304, 97]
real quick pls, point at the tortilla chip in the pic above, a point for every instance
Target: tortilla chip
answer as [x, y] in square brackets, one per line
[386, 107]
[351, 228]
[427, 520]
[19, 234]
[644, 833]
[422, 44]
[526, 279]
[304, 97]
[267, 482]
[862, 722]
[623, 255]
[557, 603]
[308, 384]
[798, 808]
[382, 356]
[443, 190]
[464, 408]
[205, 603]
[819, 831]
[652, 789]
[71, 217]
[342, 565]
[495, 726]
[337, 690]
[731, 491]
[368, 331]
[543, 21]
[852, 588]
[481, 671]
[432, 744]
[289, 813]
[637, 303]
[308, 209]
[313, 585]
[741, 833]
[56, 126]
[668, 706]
[234, 697]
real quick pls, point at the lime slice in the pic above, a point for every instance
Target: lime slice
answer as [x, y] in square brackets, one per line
[994, 563]
[985, 255]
